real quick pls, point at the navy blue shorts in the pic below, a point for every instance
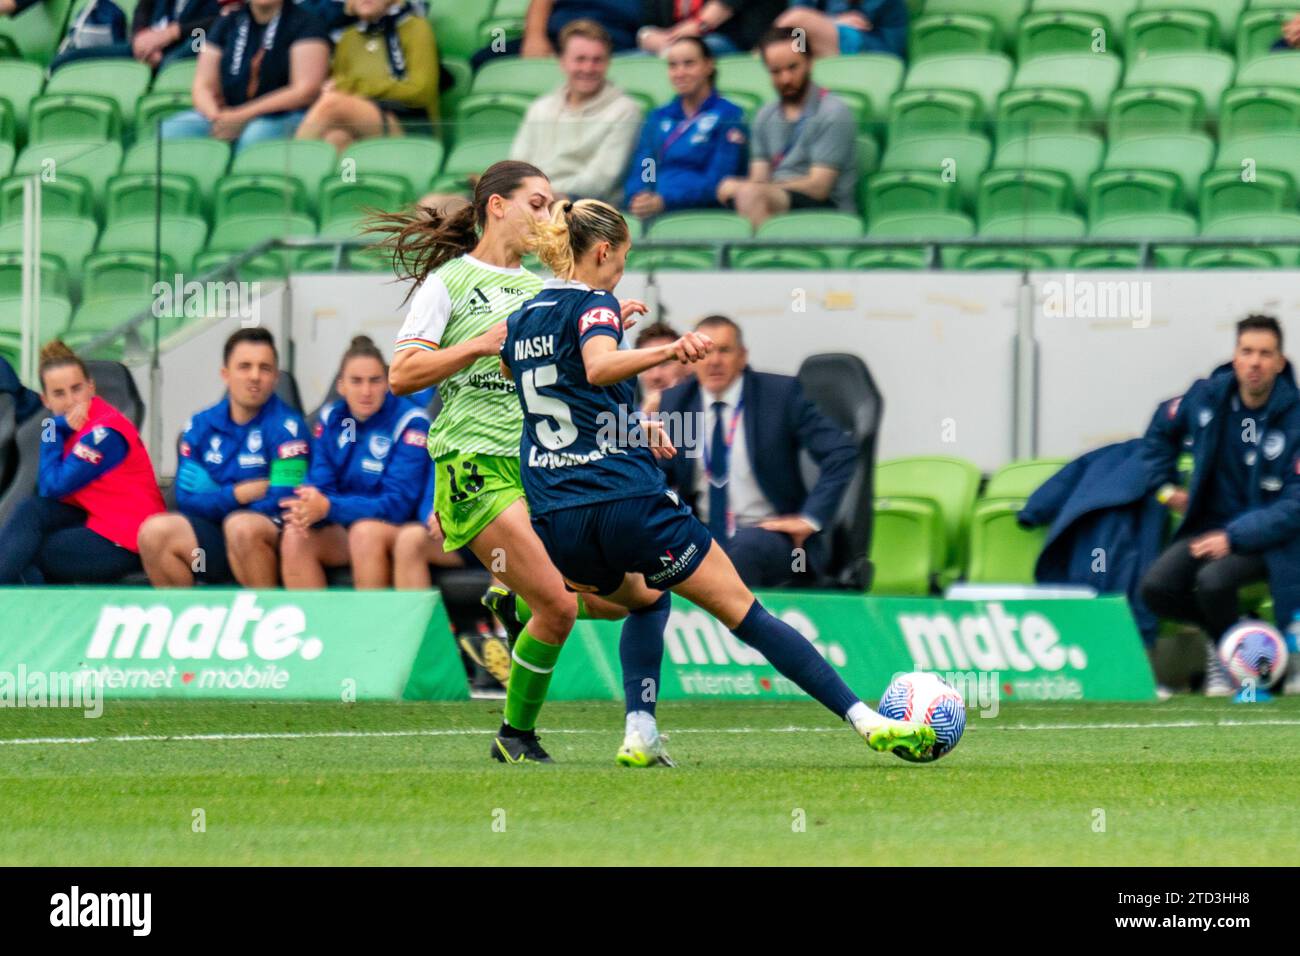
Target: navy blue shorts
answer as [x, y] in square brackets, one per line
[212, 539]
[594, 546]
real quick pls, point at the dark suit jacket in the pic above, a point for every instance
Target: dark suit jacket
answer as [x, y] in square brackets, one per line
[790, 422]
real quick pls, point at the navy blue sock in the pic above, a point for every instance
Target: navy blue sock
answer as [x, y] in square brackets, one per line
[790, 653]
[641, 652]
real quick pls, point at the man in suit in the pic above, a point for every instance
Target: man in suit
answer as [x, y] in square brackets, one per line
[741, 473]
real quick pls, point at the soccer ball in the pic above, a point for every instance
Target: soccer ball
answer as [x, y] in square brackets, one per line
[927, 698]
[1254, 652]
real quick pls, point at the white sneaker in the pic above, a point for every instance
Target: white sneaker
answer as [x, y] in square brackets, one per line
[1217, 681]
[639, 752]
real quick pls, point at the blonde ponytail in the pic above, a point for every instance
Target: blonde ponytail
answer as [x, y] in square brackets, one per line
[573, 229]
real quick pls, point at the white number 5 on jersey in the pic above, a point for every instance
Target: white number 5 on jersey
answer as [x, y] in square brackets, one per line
[539, 404]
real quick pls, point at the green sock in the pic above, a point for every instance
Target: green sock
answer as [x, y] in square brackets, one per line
[530, 676]
[523, 612]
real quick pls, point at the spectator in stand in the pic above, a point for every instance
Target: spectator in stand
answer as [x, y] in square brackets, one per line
[1290, 39]
[385, 76]
[95, 488]
[369, 464]
[545, 21]
[419, 545]
[803, 148]
[691, 144]
[652, 382]
[581, 134]
[840, 27]
[732, 27]
[161, 31]
[239, 460]
[11, 8]
[259, 70]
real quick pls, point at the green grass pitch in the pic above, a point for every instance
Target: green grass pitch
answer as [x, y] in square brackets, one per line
[1190, 781]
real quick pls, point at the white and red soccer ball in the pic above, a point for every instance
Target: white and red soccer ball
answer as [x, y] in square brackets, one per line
[926, 698]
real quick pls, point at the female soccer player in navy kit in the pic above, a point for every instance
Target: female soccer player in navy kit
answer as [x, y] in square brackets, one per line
[597, 499]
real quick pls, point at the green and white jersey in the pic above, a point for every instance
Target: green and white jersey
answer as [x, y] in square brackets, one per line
[459, 300]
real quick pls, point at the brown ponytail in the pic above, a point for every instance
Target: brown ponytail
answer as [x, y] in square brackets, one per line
[362, 346]
[574, 228]
[56, 354]
[422, 241]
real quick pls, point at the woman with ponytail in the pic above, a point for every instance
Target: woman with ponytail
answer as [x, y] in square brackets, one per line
[470, 278]
[368, 469]
[96, 487]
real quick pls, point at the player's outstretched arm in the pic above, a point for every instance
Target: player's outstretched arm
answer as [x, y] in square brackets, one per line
[417, 368]
[607, 364]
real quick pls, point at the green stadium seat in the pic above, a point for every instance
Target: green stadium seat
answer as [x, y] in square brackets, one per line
[530, 76]
[36, 33]
[1020, 479]
[864, 81]
[74, 116]
[811, 224]
[357, 260]
[1207, 73]
[1172, 225]
[383, 192]
[6, 158]
[93, 162]
[54, 275]
[1272, 150]
[1001, 551]
[938, 34]
[204, 160]
[868, 155]
[1223, 13]
[1005, 14]
[1276, 69]
[679, 259]
[935, 225]
[52, 316]
[131, 195]
[94, 317]
[1015, 192]
[962, 157]
[907, 538]
[1142, 111]
[1041, 110]
[1185, 155]
[1075, 155]
[124, 273]
[490, 115]
[69, 237]
[983, 74]
[1005, 258]
[1259, 109]
[743, 79]
[1225, 193]
[1095, 75]
[1232, 257]
[456, 30]
[239, 233]
[685, 227]
[255, 194]
[416, 159]
[20, 84]
[951, 484]
[120, 79]
[904, 192]
[8, 124]
[644, 78]
[1169, 31]
[1258, 30]
[183, 237]
[889, 257]
[1261, 226]
[925, 112]
[1114, 12]
[307, 161]
[1043, 33]
[469, 159]
[1114, 192]
[176, 76]
[462, 79]
[1027, 226]
[66, 196]
[153, 108]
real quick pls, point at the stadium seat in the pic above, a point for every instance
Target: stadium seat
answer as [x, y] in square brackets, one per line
[1233, 257]
[906, 544]
[1032, 111]
[37, 32]
[95, 317]
[69, 237]
[644, 78]
[1058, 31]
[1261, 226]
[1225, 193]
[1276, 69]
[962, 157]
[67, 195]
[307, 161]
[1207, 73]
[935, 225]
[176, 76]
[7, 152]
[1186, 155]
[1142, 111]
[983, 74]
[490, 115]
[183, 237]
[143, 194]
[469, 159]
[889, 257]
[1005, 14]
[699, 225]
[255, 194]
[1276, 150]
[20, 84]
[1113, 192]
[1168, 31]
[811, 224]
[904, 192]
[1044, 225]
[8, 125]
[927, 112]
[93, 162]
[1173, 225]
[205, 160]
[531, 76]
[457, 29]
[54, 275]
[1015, 192]
[383, 192]
[1075, 155]
[51, 320]
[415, 158]
[239, 234]
[937, 34]
[864, 81]
[153, 108]
[951, 484]
[108, 274]
[1258, 30]
[868, 155]
[743, 79]
[122, 80]
[1224, 14]
[74, 116]
[1259, 109]
[1114, 13]
[1095, 75]
[1020, 479]
[1001, 551]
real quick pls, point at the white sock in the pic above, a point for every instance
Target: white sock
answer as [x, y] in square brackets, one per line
[643, 722]
[863, 718]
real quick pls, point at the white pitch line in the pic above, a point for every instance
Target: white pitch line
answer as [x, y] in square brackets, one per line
[329, 734]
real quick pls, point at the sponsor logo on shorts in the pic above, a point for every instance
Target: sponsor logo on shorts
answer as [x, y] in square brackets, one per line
[673, 566]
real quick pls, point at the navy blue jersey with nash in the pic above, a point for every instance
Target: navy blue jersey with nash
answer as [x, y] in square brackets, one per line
[597, 499]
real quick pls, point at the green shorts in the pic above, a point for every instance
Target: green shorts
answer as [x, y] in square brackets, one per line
[470, 491]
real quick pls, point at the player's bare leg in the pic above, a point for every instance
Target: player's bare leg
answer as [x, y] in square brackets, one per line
[253, 545]
[168, 549]
[371, 545]
[306, 553]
